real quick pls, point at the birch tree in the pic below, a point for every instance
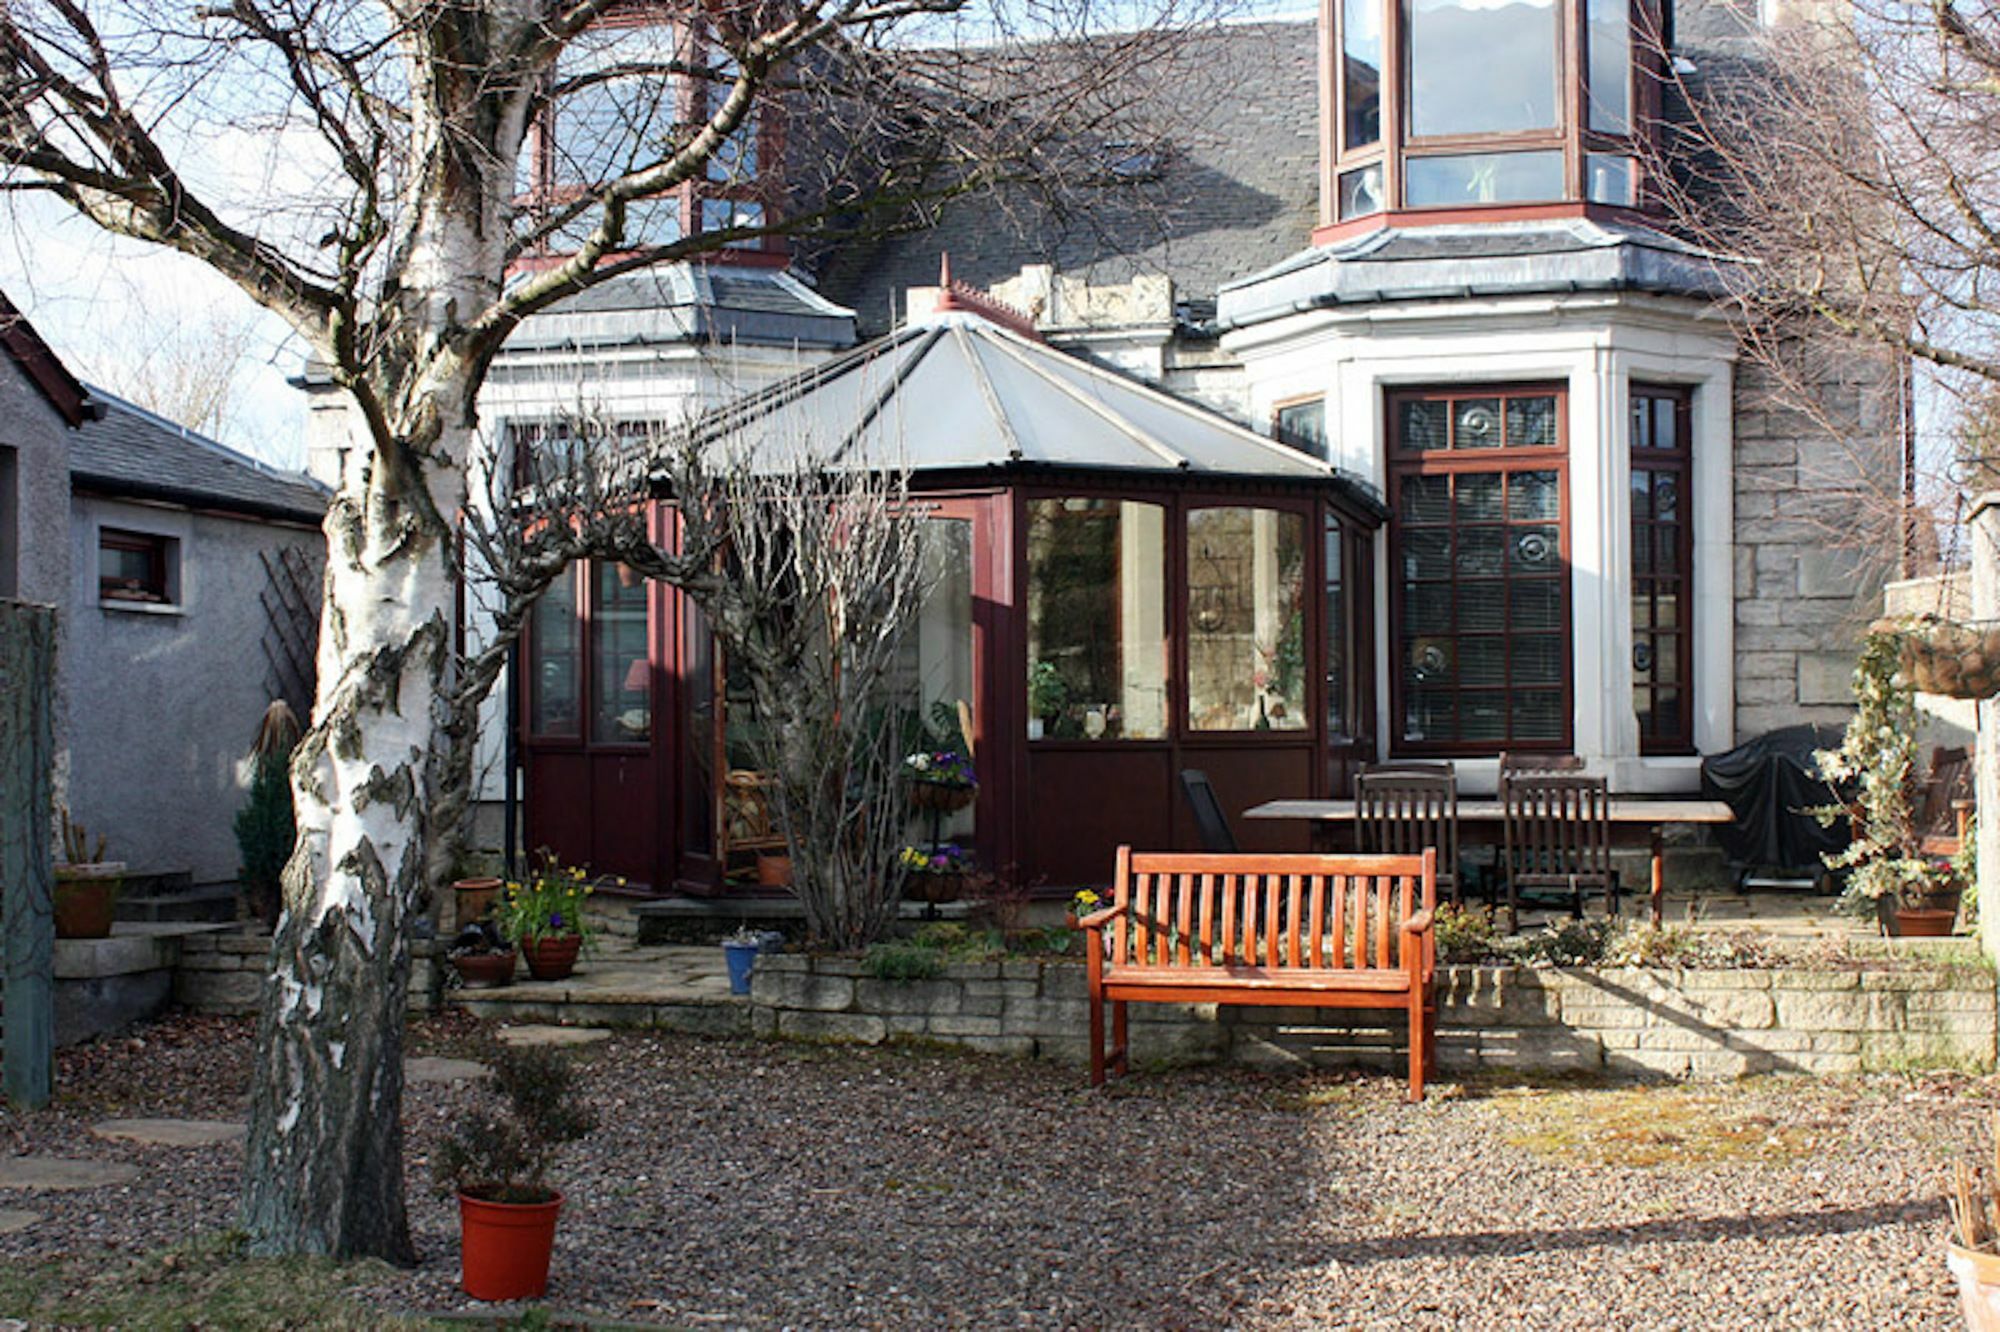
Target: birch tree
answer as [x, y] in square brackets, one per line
[357, 167]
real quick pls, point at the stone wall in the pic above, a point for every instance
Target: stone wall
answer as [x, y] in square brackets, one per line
[1624, 1020]
[1817, 489]
[225, 972]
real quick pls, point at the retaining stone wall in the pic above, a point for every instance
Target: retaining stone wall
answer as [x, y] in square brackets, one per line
[1702, 1023]
[225, 973]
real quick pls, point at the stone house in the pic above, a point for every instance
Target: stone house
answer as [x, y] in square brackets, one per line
[1440, 274]
[186, 579]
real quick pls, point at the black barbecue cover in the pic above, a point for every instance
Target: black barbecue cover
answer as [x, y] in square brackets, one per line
[1770, 781]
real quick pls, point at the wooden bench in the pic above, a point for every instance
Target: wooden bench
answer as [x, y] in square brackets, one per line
[1304, 931]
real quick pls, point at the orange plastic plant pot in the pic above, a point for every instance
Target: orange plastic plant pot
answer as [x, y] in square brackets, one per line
[505, 1247]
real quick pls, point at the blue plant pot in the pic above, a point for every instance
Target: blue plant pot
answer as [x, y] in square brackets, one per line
[741, 957]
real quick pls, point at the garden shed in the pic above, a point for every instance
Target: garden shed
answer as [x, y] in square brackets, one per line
[1126, 584]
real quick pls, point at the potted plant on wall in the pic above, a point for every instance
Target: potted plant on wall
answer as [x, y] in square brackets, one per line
[86, 884]
[497, 1164]
[1887, 870]
[543, 915]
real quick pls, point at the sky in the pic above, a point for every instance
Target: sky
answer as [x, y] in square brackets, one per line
[101, 302]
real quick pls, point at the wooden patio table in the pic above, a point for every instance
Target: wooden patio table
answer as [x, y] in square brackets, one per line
[1635, 820]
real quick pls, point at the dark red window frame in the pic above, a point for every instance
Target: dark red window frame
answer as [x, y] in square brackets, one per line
[152, 587]
[1407, 463]
[1662, 566]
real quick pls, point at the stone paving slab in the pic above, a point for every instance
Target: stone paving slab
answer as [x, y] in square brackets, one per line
[13, 1219]
[170, 1132]
[54, 1174]
[535, 1034]
[432, 1068]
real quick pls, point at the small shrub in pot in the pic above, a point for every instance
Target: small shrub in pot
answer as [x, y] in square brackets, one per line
[497, 1160]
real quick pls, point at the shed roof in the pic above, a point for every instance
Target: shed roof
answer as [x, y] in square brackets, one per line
[133, 453]
[958, 393]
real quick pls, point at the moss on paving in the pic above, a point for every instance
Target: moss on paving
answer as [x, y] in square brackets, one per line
[1646, 1127]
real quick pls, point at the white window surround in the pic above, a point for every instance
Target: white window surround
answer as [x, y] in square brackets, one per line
[173, 528]
[1599, 346]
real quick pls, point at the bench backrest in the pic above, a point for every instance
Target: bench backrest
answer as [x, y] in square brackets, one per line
[1274, 912]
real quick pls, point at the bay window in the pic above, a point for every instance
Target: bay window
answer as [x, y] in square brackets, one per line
[1494, 103]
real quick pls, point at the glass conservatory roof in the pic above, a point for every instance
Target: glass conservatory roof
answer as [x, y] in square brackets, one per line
[960, 393]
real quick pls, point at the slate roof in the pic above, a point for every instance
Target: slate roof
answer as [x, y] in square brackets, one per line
[683, 302]
[1476, 259]
[134, 454]
[958, 393]
[1237, 191]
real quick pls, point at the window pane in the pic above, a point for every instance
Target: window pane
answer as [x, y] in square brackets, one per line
[1661, 652]
[622, 669]
[1611, 180]
[1475, 424]
[1303, 426]
[1531, 423]
[1480, 68]
[555, 680]
[604, 128]
[1610, 37]
[1426, 499]
[1422, 425]
[724, 214]
[1246, 667]
[697, 689]
[1097, 619]
[936, 665]
[1478, 498]
[1361, 63]
[1361, 191]
[1336, 633]
[1483, 178]
[1534, 495]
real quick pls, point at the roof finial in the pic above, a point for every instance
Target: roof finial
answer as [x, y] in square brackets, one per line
[953, 295]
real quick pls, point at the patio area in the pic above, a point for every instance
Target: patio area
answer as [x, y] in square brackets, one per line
[745, 1184]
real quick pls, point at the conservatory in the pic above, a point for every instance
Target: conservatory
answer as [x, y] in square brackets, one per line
[1124, 585]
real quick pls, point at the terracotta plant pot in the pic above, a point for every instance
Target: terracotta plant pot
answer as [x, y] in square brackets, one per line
[553, 958]
[1924, 922]
[86, 899]
[1978, 1276]
[936, 795]
[485, 970]
[505, 1247]
[774, 871]
[473, 898]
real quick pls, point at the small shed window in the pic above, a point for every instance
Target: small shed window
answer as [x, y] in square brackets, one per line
[134, 566]
[1302, 425]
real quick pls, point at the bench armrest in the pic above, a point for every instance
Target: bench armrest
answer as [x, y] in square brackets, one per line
[1097, 920]
[1419, 923]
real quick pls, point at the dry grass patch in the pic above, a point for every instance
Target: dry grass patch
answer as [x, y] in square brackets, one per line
[1648, 1126]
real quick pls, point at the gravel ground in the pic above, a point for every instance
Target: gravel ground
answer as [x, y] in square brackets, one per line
[746, 1184]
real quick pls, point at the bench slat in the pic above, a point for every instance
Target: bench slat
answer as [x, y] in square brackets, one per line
[1392, 981]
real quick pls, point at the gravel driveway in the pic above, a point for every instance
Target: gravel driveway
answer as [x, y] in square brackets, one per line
[747, 1184]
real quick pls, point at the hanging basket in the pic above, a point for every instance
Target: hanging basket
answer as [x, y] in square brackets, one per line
[938, 796]
[1955, 660]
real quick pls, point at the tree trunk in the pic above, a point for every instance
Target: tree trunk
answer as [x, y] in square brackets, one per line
[324, 1173]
